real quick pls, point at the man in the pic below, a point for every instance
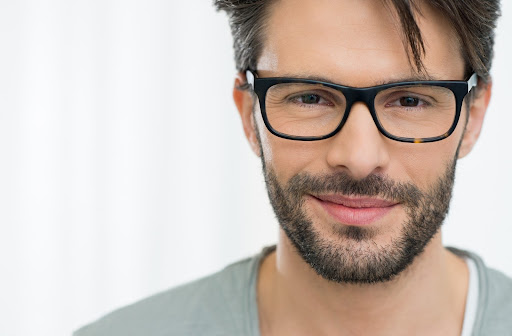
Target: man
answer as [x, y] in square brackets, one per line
[359, 111]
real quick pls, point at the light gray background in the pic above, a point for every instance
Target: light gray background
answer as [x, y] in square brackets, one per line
[124, 169]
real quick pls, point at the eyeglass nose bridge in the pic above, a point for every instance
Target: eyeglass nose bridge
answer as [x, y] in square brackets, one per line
[356, 95]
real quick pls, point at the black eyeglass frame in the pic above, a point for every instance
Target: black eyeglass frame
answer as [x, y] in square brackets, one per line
[366, 95]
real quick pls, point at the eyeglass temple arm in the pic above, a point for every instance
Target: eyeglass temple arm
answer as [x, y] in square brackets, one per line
[250, 78]
[472, 82]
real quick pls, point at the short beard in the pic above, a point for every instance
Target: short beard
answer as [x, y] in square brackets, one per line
[351, 255]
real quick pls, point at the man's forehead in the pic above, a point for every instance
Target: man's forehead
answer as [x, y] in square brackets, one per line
[332, 17]
[337, 39]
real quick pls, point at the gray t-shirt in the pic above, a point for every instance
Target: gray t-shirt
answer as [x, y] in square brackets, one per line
[225, 304]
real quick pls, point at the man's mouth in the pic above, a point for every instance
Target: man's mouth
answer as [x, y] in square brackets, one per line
[354, 210]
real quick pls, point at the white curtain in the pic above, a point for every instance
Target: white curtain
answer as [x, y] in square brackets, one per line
[124, 169]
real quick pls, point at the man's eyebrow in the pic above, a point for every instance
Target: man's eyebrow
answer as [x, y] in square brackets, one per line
[418, 78]
[310, 77]
[397, 79]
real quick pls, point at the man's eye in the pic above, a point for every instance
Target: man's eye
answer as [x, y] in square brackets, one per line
[409, 101]
[311, 99]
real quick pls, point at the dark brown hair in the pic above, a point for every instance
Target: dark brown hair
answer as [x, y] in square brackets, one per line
[474, 22]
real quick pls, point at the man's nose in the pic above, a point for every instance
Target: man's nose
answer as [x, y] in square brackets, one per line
[359, 147]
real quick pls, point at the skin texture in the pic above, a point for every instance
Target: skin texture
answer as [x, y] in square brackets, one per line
[358, 43]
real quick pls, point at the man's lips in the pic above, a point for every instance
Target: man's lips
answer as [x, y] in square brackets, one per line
[356, 202]
[355, 211]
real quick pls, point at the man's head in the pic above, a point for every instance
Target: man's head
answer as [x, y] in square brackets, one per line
[359, 206]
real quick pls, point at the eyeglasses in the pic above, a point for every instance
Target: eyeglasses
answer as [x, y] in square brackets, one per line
[307, 110]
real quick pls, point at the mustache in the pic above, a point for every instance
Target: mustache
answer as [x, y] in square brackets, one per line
[342, 183]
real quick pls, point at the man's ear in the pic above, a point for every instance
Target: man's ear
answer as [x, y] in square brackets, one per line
[477, 110]
[244, 103]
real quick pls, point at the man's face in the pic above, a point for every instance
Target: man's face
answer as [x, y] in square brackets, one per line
[317, 188]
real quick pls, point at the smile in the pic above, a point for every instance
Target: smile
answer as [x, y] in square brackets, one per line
[354, 211]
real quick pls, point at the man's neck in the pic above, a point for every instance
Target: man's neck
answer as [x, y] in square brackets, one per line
[428, 297]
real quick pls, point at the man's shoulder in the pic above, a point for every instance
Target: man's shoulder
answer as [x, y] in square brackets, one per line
[495, 290]
[208, 306]
[494, 298]
[497, 300]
